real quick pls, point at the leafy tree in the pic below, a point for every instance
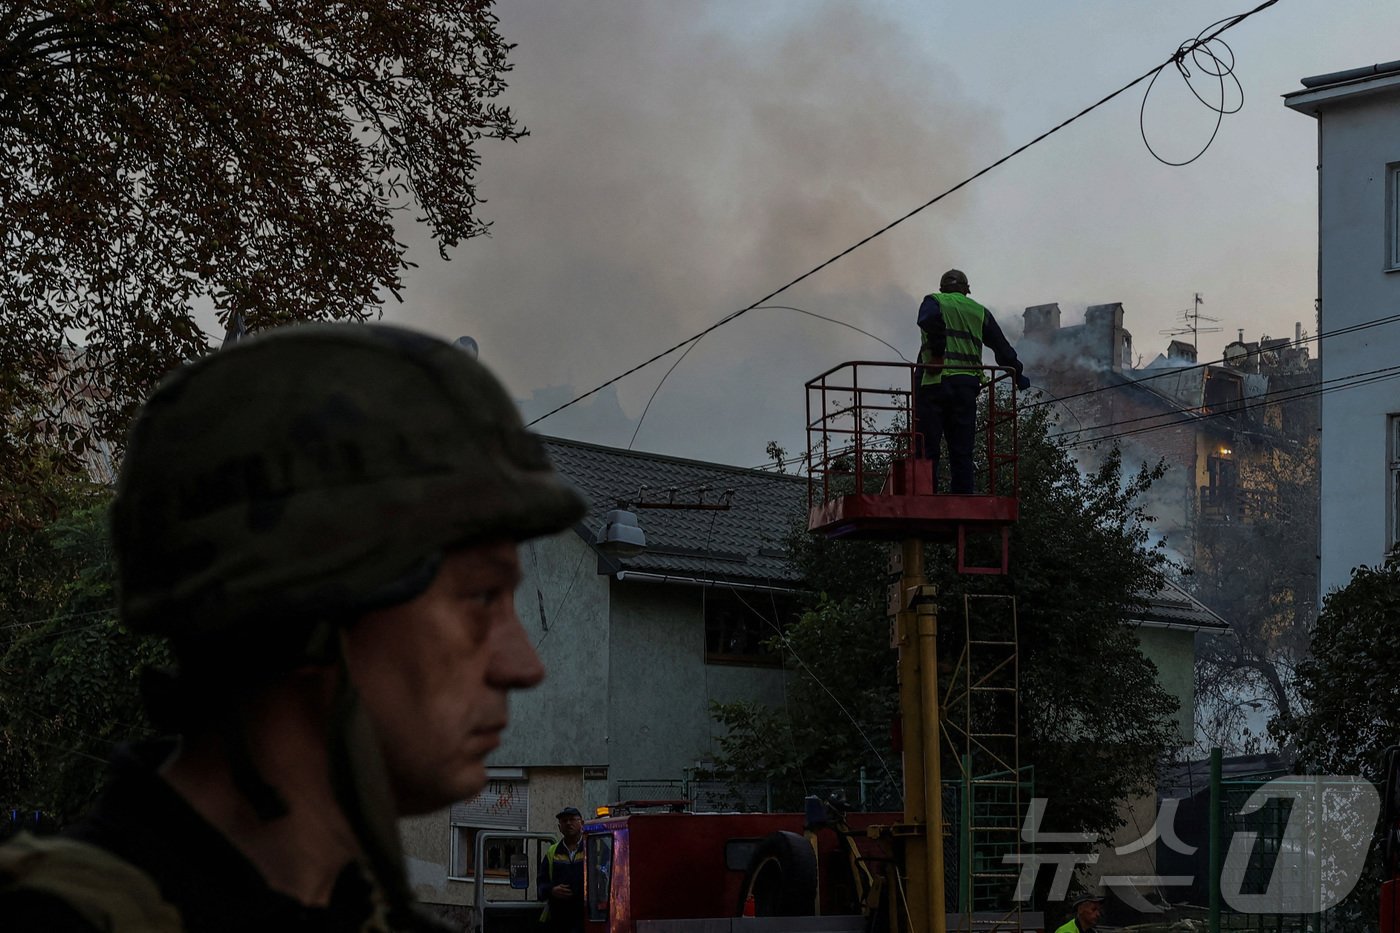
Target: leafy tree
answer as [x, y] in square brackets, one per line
[1348, 687]
[159, 157]
[1350, 697]
[1269, 600]
[1093, 719]
[67, 669]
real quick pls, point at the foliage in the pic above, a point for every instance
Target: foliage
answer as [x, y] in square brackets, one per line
[1350, 694]
[1350, 698]
[1093, 719]
[161, 156]
[1269, 598]
[69, 671]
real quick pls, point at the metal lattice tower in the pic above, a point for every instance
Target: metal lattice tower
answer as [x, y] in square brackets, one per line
[981, 729]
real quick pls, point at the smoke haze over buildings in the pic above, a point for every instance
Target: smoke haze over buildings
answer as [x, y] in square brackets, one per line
[685, 160]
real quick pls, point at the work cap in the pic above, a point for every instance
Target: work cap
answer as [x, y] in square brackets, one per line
[953, 280]
[567, 811]
[1088, 899]
[313, 470]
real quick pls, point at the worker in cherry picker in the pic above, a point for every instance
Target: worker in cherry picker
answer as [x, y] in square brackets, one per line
[954, 328]
[561, 876]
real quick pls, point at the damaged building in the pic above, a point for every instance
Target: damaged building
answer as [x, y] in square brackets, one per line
[1210, 422]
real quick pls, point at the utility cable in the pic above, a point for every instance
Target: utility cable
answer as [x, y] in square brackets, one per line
[678, 361]
[1186, 48]
[769, 466]
[1196, 419]
[782, 636]
[1176, 370]
[1202, 53]
[1274, 397]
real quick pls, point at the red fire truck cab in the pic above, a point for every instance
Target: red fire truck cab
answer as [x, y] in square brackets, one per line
[679, 872]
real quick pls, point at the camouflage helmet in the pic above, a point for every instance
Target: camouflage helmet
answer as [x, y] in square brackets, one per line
[311, 471]
[954, 280]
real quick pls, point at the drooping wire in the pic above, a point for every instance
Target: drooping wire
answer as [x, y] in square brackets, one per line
[1214, 58]
[1150, 73]
[1192, 415]
[651, 398]
[814, 314]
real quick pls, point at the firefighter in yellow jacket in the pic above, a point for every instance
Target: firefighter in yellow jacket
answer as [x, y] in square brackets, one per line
[954, 328]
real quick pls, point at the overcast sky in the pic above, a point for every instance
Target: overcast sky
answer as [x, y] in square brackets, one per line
[687, 159]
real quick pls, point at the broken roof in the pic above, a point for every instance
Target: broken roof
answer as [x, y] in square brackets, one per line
[745, 543]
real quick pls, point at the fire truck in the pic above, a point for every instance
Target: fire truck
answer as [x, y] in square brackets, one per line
[654, 867]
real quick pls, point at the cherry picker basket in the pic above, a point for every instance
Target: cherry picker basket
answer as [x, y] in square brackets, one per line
[869, 476]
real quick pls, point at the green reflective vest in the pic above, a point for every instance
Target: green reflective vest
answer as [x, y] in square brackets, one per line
[555, 854]
[962, 320]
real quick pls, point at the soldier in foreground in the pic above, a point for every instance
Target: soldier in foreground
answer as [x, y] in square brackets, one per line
[323, 522]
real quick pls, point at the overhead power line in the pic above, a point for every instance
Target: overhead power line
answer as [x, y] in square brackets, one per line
[1197, 413]
[1176, 370]
[1185, 415]
[1278, 397]
[1362, 379]
[821, 317]
[1200, 42]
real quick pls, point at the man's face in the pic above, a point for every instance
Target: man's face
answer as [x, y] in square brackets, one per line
[570, 826]
[1088, 914]
[434, 674]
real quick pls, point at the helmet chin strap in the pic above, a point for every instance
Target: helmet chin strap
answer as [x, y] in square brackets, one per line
[361, 784]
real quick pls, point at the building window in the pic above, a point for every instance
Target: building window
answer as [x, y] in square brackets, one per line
[1392, 216]
[490, 817]
[740, 626]
[1220, 497]
[1392, 533]
[497, 853]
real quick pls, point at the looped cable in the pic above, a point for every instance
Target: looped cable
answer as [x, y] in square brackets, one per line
[1212, 57]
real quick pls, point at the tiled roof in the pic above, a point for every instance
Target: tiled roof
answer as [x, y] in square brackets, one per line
[745, 543]
[1173, 606]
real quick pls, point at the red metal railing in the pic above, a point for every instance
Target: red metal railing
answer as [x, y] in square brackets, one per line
[861, 437]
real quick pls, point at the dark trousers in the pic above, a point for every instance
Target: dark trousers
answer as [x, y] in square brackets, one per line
[948, 411]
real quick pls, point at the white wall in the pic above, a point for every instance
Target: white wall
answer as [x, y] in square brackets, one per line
[1359, 135]
[659, 717]
[563, 604]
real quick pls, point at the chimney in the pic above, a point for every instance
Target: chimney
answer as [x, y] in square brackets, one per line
[1041, 320]
[1103, 325]
[1181, 350]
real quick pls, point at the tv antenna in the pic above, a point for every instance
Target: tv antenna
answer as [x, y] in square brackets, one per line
[1191, 319]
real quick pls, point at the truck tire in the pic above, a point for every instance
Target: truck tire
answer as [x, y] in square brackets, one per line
[782, 877]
